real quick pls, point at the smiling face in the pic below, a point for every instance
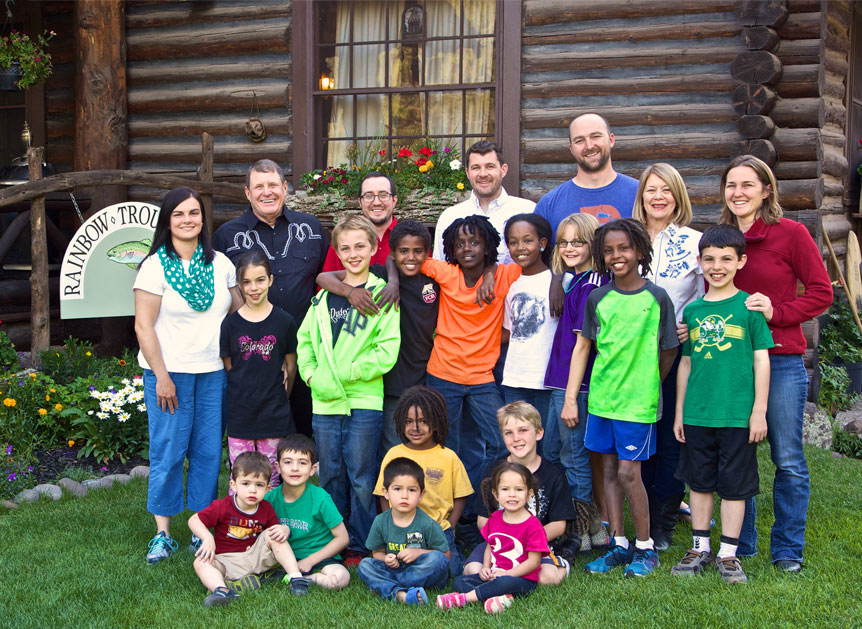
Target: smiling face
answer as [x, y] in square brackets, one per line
[255, 283]
[619, 254]
[469, 250]
[658, 201]
[403, 494]
[250, 489]
[744, 194]
[485, 174]
[295, 468]
[409, 254]
[520, 438]
[354, 250]
[590, 143]
[377, 210]
[574, 252]
[266, 193]
[526, 247]
[417, 431]
[186, 221]
[512, 492]
[720, 265]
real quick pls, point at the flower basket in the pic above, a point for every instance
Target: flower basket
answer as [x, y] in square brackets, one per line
[29, 55]
[9, 77]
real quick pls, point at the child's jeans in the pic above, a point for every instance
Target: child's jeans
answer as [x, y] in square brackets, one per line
[574, 456]
[347, 447]
[516, 586]
[267, 447]
[456, 559]
[429, 570]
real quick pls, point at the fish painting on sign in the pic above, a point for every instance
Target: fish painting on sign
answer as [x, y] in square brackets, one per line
[130, 253]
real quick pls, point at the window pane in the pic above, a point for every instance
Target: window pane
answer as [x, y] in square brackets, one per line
[442, 18]
[444, 113]
[404, 65]
[478, 60]
[370, 20]
[479, 17]
[369, 65]
[480, 111]
[407, 115]
[441, 65]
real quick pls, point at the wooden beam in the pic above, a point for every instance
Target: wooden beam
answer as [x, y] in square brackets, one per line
[205, 13]
[760, 148]
[760, 38]
[801, 26]
[753, 99]
[798, 144]
[801, 81]
[753, 127]
[206, 174]
[221, 127]
[797, 170]
[711, 82]
[167, 73]
[678, 114]
[536, 60]
[794, 52]
[220, 98]
[544, 12]
[234, 39]
[799, 112]
[756, 66]
[40, 325]
[230, 150]
[651, 32]
[771, 13]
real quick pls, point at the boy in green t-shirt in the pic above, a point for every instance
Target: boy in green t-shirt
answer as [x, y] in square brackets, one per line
[317, 531]
[722, 390]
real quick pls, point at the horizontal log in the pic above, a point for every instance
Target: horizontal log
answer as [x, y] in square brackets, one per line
[836, 63]
[797, 170]
[230, 151]
[219, 70]
[760, 148]
[535, 60]
[836, 112]
[660, 32]
[18, 291]
[834, 163]
[799, 112]
[204, 12]
[801, 81]
[697, 194]
[637, 147]
[257, 37]
[801, 26]
[753, 127]
[759, 38]
[276, 124]
[836, 226]
[800, 194]
[834, 87]
[794, 52]
[805, 6]
[798, 144]
[713, 82]
[756, 66]
[760, 12]
[70, 181]
[544, 12]
[753, 99]
[680, 114]
[634, 172]
[222, 98]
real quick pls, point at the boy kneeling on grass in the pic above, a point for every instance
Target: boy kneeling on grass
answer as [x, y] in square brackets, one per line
[247, 539]
[722, 390]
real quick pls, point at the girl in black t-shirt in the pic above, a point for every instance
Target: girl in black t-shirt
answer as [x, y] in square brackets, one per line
[258, 347]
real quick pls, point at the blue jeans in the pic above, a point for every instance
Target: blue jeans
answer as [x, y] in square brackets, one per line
[487, 447]
[788, 389]
[574, 457]
[456, 559]
[347, 447]
[549, 446]
[390, 437]
[193, 431]
[516, 586]
[429, 570]
[658, 471]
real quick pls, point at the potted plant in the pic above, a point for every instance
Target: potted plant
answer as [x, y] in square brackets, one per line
[841, 343]
[24, 61]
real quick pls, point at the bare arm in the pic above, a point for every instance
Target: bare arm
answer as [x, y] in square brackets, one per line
[527, 566]
[359, 298]
[384, 504]
[457, 510]
[485, 292]
[757, 421]
[339, 542]
[391, 293]
[682, 374]
[289, 372]
[227, 363]
[207, 550]
[577, 367]
[146, 312]
[665, 361]
[557, 295]
[554, 529]
[236, 300]
[480, 522]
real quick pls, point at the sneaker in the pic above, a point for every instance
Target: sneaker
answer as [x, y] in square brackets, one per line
[244, 585]
[299, 586]
[788, 565]
[616, 556]
[644, 561]
[161, 547]
[352, 557]
[730, 570]
[273, 574]
[450, 600]
[220, 596]
[416, 596]
[564, 563]
[497, 604]
[693, 563]
[195, 544]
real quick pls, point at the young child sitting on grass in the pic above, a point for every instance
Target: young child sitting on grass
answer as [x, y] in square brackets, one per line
[420, 419]
[247, 539]
[723, 387]
[317, 531]
[408, 549]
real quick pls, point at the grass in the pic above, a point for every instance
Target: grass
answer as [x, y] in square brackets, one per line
[80, 562]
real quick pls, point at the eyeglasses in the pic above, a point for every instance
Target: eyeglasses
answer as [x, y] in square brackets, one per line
[572, 243]
[368, 197]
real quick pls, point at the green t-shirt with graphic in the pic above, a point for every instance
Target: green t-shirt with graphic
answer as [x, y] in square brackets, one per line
[423, 532]
[310, 518]
[722, 338]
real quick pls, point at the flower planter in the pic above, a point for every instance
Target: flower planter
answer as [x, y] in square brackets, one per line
[8, 77]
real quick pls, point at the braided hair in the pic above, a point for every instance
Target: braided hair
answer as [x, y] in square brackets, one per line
[475, 224]
[433, 407]
[638, 237]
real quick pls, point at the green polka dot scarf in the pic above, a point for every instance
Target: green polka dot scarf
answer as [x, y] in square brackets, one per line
[198, 287]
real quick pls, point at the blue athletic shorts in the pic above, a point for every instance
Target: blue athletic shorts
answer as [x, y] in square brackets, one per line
[631, 441]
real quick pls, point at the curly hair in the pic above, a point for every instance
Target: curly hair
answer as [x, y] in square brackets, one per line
[475, 225]
[409, 227]
[638, 237]
[433, 407]
[540, 225]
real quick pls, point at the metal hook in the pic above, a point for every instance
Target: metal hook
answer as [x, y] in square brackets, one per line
[9, 5]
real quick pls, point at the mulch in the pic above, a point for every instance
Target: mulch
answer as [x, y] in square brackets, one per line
[50, 465]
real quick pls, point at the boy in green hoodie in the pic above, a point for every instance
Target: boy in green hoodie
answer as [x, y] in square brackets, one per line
[342, 356]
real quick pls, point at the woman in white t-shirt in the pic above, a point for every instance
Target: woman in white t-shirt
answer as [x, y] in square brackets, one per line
[182, 292]
[663, 206]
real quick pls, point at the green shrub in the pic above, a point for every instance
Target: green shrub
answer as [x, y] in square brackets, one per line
[841, 340]
[17, 464]
[8, 356]
[847, 443]
[834, 382]
[74, 360]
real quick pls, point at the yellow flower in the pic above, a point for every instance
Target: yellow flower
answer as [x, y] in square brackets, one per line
[43, 412]
[71, 442]
[48, 397]
[53, 390]
[423, 168]
[460, 186]
[9, 401]
[88, 354]
[429, 164]
[32, 375]
[58, 407]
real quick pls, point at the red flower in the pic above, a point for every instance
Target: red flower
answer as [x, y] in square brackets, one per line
[343, 180]
[421, 161]
[426, 151]
[382, 152]
[405, 152]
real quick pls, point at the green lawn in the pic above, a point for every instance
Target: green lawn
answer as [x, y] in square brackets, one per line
[80, 562]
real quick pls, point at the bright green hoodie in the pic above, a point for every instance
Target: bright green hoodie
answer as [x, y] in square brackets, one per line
[350, 374]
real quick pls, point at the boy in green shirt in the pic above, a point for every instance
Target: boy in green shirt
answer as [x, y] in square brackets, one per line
[722, 390]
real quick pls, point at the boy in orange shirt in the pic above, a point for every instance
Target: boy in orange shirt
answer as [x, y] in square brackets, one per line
[467, 344]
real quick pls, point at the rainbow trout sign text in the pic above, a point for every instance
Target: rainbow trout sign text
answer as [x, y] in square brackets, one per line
[101, 261]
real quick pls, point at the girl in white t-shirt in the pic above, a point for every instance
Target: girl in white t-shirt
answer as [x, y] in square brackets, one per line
[182, 292]
[528, 325]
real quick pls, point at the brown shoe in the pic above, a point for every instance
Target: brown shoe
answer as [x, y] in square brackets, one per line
[730, 570]
[693, 563]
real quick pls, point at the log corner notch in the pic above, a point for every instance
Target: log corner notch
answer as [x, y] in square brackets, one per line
[754, 71]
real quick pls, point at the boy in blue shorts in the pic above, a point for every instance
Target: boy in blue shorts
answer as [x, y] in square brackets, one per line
[632, 322]
[317, 531]
[722, 390]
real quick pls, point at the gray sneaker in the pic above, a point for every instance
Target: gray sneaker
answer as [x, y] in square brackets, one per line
[693, 563]
[161, 547]
[220, 596]
[730, 570]
[195, 544]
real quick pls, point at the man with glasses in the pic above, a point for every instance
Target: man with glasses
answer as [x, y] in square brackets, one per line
[377, 198]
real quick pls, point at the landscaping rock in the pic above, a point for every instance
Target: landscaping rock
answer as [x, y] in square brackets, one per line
[837, 455]
[854, 426]
[853, 414]
[28, 495]
[49, 490]
[9, 504]
[73, 487]
[121, 479]
[98, 483]
[817, 427]
[141, 471]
